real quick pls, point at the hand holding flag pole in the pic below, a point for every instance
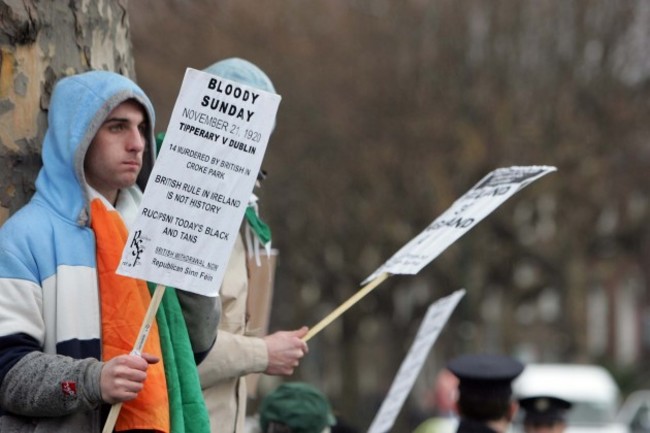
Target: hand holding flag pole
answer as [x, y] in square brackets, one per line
[156, 298]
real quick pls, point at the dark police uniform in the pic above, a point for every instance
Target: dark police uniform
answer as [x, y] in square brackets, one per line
[471, 426]
[483, 378]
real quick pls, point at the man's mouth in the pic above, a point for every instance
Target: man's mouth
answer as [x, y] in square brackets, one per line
[135, 164]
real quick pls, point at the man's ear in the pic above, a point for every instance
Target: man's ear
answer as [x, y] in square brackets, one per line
[512, 410]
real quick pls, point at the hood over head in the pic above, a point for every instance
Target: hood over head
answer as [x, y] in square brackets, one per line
[78, 107]
[242, 71]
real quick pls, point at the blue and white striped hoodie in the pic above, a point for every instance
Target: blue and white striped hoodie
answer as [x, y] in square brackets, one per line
[50, 325]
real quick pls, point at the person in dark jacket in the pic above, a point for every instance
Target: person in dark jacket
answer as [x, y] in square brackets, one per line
[485, 403]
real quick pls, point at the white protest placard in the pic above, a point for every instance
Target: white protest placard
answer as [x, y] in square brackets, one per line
[483, 198]
[199, 188]
[488, 194]
[436, 317]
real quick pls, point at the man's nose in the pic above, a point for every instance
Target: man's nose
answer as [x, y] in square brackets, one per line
[137, 140]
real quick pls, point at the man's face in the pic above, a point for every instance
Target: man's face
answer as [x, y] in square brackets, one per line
[114, 157]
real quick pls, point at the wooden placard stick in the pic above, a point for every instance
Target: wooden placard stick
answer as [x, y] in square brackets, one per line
[137, 349]
[346, 305]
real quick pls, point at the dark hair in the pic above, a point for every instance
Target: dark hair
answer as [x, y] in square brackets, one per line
[482, 409]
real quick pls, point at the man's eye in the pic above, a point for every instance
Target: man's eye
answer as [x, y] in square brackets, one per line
[143, 128]
[116, 127]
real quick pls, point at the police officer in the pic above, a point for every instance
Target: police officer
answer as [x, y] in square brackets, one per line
[485, 403]
[544, 414]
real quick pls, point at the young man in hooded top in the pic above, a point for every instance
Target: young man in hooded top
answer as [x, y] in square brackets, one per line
[67, 321]
[238, 351]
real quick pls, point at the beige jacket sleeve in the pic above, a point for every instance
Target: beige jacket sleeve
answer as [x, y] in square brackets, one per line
[234, 354]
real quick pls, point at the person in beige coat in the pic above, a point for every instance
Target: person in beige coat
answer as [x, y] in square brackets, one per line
[237, 351]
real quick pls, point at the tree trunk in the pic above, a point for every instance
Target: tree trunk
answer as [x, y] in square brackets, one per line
[40, 42]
